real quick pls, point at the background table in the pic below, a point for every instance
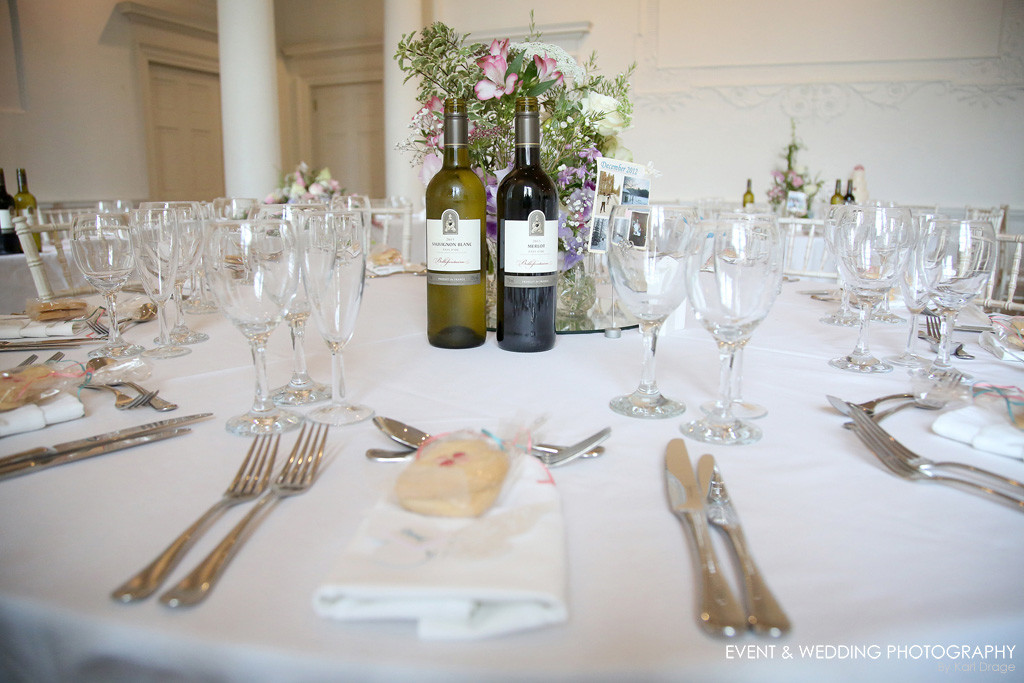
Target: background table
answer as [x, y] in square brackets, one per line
[856, 556]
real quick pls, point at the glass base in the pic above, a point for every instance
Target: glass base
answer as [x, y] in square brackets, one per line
[883, 316]
[187, 336]
[908, 360]
[274, 421]
[161, 352]
[742, 410]
[645, 406]
[865, 365]
[121, 351]
[199, 307]
[734, 433]
[340, 414]
[300, 394]
[840, 319]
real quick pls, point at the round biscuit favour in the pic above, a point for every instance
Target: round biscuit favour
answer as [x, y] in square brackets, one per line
[458, 476]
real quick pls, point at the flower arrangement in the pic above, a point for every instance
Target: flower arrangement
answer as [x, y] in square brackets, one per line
[794, 178]
[305, 185]
[582, 113]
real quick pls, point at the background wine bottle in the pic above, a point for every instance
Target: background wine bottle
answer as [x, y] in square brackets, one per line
[456, 220]
[527, 242]
[748, 196]
[8, 238]
[25, 203]
[849, 198]
[837, 197]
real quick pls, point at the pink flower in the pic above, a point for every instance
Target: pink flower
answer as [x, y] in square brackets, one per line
[546, 69]
[795, 180]
[435, 104]
[495, 84]
[500, 48]
[431, 165]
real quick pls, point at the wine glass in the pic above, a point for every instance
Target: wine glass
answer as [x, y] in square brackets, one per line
[734, 272]
[383, 212]
[199, 300]
[355, 202]
[915, 284]
[959, 255]
[333, 264]
[234, 208]
[871, 243]
[189, 224]
[646, 257]
[114, 206]
[155, 241]
[101, 245]
[301, 388]
[844, 316]
[253, 268]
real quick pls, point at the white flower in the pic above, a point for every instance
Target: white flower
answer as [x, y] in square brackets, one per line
[615, 150]
[563, 60]
[608, 119]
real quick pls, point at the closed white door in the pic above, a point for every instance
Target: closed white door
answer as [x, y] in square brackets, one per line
[188, 151]
[348, 135]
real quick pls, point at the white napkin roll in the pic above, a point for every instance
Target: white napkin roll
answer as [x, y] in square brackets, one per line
[60, 408]
[983, 429]
[21, 329]
[458, 578]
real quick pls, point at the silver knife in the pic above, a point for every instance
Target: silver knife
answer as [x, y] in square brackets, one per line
[100, 439]
[38, 464]
[718, 612]
[763, 611]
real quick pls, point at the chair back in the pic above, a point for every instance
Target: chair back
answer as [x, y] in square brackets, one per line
[55, 235]
[806, 253]
[1005, 290]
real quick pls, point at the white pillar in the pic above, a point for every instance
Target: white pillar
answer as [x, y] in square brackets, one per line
[248, 95]
[400, 16]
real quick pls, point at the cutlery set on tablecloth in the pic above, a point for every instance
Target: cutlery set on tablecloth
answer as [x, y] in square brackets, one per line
[718, 611]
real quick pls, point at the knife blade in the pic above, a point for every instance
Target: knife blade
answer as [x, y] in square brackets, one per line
[38, 464]
[764, 613]
[718, 612]
[100, 439]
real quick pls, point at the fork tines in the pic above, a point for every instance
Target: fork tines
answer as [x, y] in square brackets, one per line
[304, 460]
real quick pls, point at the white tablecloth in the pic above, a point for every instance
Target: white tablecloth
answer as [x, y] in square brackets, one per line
[870, 568]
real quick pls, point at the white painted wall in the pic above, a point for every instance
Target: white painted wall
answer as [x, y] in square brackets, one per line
[932, 106]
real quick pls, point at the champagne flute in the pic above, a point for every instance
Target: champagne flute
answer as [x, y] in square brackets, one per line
[871, 243]
[959, 255]
[845, 315]
[101, 245]
[189, 224]
[234, 208]
[252, 267]
[155, 241]
[334, 265]
[734, 272]
[916, 284]
[646, 258]
[301, 388]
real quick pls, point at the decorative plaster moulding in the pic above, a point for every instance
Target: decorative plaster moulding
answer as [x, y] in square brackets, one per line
[568, 36]
[675, 67]
[199, 23]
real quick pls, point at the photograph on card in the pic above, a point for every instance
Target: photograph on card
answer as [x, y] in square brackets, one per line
[618, 182]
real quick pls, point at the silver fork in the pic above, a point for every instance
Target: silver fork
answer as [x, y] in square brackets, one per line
[297, 475]
[884, 446]
[155, 401]
[933, 334]
[123, 401]
[248, 484]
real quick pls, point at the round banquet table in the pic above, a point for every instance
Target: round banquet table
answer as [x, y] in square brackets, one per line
[872, 570]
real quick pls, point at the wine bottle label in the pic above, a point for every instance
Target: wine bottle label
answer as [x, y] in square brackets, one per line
[453, 246]
[6, 223]
[531, 247]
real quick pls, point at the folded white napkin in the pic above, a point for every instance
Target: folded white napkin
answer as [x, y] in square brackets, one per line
[60, 408]
[983, 429]
[459, 578]
[19, 328]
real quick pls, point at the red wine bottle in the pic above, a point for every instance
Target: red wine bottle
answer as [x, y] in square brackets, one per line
[527, 242]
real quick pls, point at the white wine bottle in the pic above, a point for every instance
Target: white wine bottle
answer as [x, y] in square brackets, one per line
[527, 242]
[456, 219]
[748, 196]
[26, 207]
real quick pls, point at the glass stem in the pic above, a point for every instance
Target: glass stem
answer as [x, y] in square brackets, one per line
[912, 335]
[337, 375]
[844, 303]
[113, 333]
[727, 365]
[737, 377]
[261, 401]
[649, 330]
[300, 375]
[945, 340]
[161, 315]
[179, 303]
[861, 352]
